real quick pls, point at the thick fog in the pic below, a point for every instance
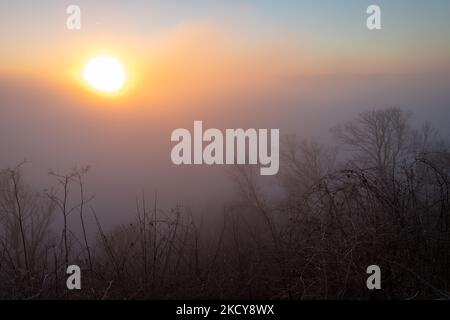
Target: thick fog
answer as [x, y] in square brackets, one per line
[128, 145]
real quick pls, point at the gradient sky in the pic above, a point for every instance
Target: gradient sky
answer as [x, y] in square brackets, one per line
[416, 33]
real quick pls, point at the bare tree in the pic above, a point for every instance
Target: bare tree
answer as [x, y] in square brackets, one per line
[304, 164]
[25, 230]
[379, 138]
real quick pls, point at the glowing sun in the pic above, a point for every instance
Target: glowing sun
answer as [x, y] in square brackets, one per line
[105, 74]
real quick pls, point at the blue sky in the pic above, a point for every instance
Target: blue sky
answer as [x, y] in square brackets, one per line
[399, 15]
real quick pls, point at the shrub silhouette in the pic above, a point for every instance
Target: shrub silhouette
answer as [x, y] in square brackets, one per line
[381, 197]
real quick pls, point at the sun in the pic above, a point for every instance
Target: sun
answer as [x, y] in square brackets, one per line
[105, 74]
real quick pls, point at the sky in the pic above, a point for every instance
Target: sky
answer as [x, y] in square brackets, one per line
[415, 33]
[301, 66]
